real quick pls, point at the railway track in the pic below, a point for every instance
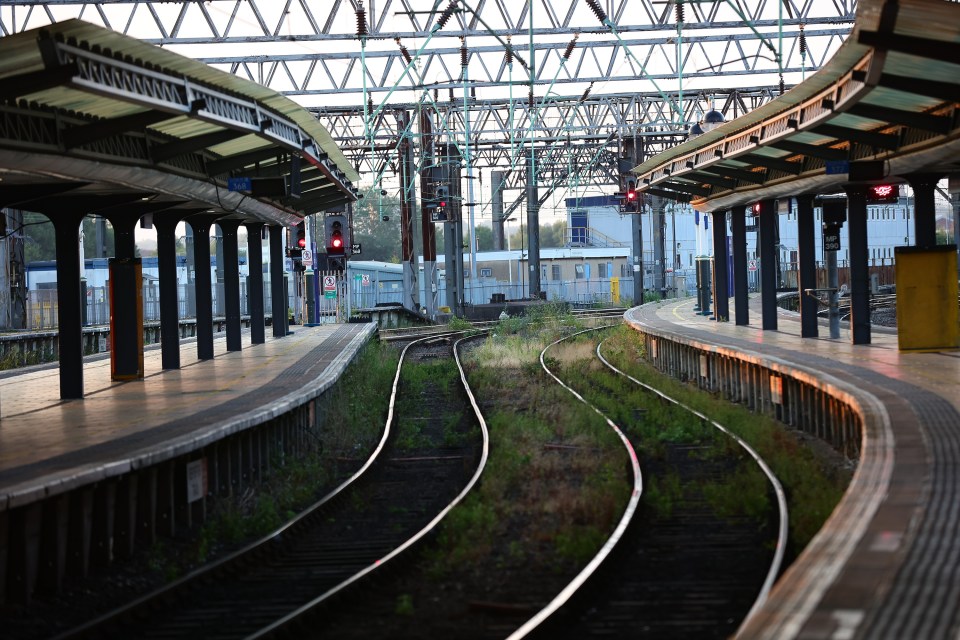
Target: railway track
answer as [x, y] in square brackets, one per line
[641, 584]
[409, 333]
[285, 579]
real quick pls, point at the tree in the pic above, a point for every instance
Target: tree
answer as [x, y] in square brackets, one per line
[551, 236]
[379, 238]
[484, 238]
[554, 235]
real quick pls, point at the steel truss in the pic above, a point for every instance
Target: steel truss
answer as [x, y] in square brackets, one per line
[630, 67]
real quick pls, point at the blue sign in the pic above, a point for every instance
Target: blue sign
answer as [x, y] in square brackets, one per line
[239, 184]
[835, 167]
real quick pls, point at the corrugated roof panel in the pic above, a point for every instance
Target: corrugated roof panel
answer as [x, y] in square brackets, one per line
[21, 55]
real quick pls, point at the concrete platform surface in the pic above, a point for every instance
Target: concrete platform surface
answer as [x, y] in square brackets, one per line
[48, 445]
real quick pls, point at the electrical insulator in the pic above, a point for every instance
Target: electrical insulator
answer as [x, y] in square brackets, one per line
[679, 8]
[447, 13]
[570, 46]
[361, 21]
[598, 11]
[403, 52]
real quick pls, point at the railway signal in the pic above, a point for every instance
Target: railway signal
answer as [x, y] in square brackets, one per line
[334, 226]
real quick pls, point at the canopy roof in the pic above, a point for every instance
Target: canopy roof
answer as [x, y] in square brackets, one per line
[82, 103]
[885, 106]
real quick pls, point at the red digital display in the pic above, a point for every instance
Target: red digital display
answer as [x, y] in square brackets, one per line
[883, 194]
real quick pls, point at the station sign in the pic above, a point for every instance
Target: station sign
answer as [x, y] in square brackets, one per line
[329, 286]
[239, 184]
[831, 237]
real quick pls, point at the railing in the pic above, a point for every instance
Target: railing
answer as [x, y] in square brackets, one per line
[41, 304]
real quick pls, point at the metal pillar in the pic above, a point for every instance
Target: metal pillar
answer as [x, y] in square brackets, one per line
[408, 199]
[201, 225]
[924, 209]
[231, 281]
[126, 313]
[255, 281]
[278, 289]
[428, 230]
[721, 298]
[453, 233]
[636, 234]
[219, 265]
[806, 254]
[768, 264]
[738, 230]
[859, 256]
[533, 226]
[70, 331]
[169, 310]
[659, 237]
[497, 184]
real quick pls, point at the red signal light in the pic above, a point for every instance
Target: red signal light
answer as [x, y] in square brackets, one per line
[337, 243]
[302, 242]
[883, 194]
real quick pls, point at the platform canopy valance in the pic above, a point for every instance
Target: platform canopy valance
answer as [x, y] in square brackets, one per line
[885, 106]
[90, 108]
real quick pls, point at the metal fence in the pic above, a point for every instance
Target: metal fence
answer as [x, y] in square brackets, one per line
[42, 304]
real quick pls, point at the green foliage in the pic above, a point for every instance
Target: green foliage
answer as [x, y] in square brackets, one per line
[579, 543]
[814, 489]
[380, 239]
[14, 359]
[404, 605]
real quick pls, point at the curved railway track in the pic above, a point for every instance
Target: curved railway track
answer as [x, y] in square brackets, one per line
[284, 579]
[630, 603]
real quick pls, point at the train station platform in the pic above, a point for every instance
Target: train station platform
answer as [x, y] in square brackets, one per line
[885, 565]
[58, 456]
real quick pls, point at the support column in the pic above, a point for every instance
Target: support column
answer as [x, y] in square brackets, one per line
[69, 305]
[497, 184]
[408, 198]
[636, 235]
[201, 225]
[255, 281]
[126, 301]
[768, 262]
[721, 301]
[924, 212]
[658, 233]
[859, 258]
[278, 292]
[231, 282]
[428, 231]
[806, 252]
[533, 227]
[738, 229]
[169, 304]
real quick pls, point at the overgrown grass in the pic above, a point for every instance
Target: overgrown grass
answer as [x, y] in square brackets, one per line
[417, 382]
[14, 359]
[553, 486]
[813, 486]
[351, 419]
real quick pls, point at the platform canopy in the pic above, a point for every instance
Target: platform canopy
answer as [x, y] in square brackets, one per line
[885, 106]
[90, 116]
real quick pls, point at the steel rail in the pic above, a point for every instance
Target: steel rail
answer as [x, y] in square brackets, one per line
[631, 509]
[778, 555]
[228, 564]
[289, 621]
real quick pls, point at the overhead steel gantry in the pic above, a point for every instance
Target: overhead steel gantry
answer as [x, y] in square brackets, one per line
[552, 91]
[312, 50]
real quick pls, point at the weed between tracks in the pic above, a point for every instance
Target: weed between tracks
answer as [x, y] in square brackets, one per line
[351, 419]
